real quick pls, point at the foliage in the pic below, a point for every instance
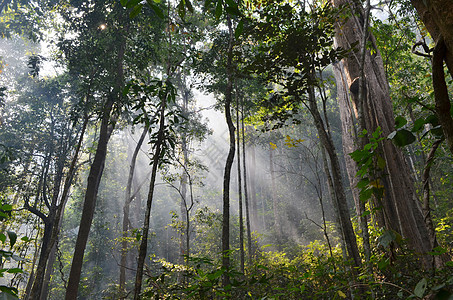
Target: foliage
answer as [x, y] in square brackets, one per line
[7, 254]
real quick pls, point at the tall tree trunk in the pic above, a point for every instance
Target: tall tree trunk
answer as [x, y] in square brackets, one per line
[126, 209]
[437, 259]
[377, 112]
[277, 224]
[145, 232]
[252, 180]
[94, 178]
[247, 205]
[241, 209]
[334, 203]
[59, 217]
[229, 160]
[437, 15]
[340, 197]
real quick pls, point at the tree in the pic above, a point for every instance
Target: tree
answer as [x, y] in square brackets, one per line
[377, 111]
[302, 47]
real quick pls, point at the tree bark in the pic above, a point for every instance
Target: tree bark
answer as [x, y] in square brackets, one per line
[247, 205]
[94, 178]
[437, 259]
[241, 209]
[146, 224]
[126, 209]
[277, 223]
[340, 197]
[437, 15]
[400, 196]
[229, 160]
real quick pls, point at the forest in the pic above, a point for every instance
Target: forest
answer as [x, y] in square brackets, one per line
[226, 149]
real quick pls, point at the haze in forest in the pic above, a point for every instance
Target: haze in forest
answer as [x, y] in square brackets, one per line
[226, 149]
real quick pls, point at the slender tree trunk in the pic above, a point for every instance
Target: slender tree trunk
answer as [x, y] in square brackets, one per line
[52, 226]
[247, 205]
[94, 178]
[126, 209]
[241, 209]
[60, 212]
[340, 197]
[277, 224]
[334, 203]
[145, 232]
[437, 259]
[252, 180]
[229, 160]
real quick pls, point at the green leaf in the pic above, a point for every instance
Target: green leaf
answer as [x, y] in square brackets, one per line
[12, 238]
[438, 251]
[402, 137]
[7, 293]
[132, 3]
[381, 162]
[156, 9]
[7, 207]
[15, 270]
[432, 119]
[400, 122]
[135, 11]
[420, 288]
[2, 237]
[219, 9]
[181, 9]
[386, 238]
[123, 3]
[239, 29]
[418, 124]
[189, 5]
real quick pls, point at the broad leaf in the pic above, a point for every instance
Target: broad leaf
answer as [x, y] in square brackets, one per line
[156, 9]
[400, 122]
[12, 238]
[402, 137]
[420, 288]
[239, 29]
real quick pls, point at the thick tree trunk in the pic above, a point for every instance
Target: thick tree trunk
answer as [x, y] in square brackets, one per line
[400, 196]
[349, 138]
[437, 15]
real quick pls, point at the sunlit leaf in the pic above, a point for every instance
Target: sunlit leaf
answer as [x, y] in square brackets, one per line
[341, 294]
[420, 288]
